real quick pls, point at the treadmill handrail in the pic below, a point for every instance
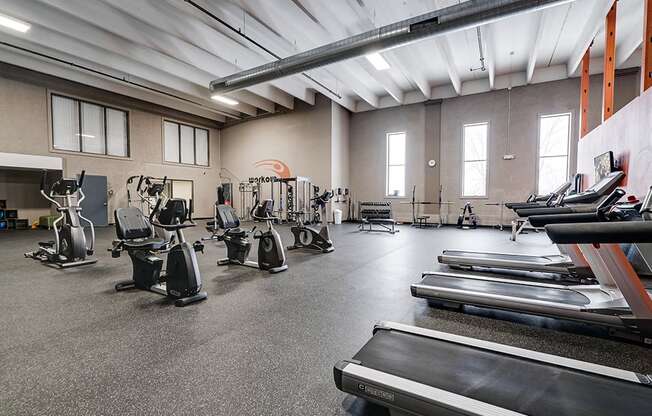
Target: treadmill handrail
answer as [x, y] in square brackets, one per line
[601, 370]
[601, 232]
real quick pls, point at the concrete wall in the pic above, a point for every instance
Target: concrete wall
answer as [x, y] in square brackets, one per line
[508, 180]
[24, 128]
[301, 140]
[340, 158]
[368, 154]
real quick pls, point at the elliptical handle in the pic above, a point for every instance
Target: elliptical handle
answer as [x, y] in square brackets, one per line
[165, 179]
[44, 180]
[80, 182]
[140, 182]
[154, 211]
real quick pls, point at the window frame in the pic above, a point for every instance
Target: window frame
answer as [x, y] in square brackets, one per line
[568, 145]
[81, 151]
[485, 195]
[387, 165]
[194, 144]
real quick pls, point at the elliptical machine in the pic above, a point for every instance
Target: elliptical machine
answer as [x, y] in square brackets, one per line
[309, 238]
[150, 190]
[182, 279]
[271, 256]
[69, 247]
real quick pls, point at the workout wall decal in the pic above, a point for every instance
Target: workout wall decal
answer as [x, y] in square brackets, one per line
[280, 168]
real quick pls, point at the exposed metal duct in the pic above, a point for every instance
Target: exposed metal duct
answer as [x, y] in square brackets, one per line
[462, 16]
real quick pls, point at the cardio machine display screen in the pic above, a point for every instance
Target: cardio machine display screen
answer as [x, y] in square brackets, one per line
[604, 165]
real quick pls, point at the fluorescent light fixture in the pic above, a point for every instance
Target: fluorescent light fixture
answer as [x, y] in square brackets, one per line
[88, 136]
[225, 100]
[377, 61]
[14, 24]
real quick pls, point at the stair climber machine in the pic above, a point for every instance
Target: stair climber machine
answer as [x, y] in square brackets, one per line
[308, 237]
[618, 301]
[271, 256]
[70, 247]
[182, 279]
[467, 218]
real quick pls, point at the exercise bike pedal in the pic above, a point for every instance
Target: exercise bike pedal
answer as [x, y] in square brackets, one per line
[48, 244]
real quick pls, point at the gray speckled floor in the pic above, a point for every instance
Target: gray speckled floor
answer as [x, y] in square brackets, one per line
[260, 345]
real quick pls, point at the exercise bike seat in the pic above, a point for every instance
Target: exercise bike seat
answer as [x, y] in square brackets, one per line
[135, 231]
[144, 244]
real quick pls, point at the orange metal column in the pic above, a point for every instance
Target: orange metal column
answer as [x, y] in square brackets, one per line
[584, 94]
[646, 65]
[609, 64]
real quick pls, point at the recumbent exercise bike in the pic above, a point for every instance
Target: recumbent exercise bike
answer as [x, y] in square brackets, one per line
[309, 238]
[182, 279]
[69, 247]
[271, 256]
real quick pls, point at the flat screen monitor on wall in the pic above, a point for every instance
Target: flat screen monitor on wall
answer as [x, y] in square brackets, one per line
[604, 165]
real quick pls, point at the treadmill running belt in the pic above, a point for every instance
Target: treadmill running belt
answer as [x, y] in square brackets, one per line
[478, 256]
[505, 288]
[511, 382]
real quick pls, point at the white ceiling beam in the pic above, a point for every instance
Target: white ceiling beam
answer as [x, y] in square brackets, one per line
[401, 58]
[306, 34]
[57, 41]
[592, 27]
[447, 56]
[273, 41]
[122, 36]
[327, 13]
[489, 53]
[110, 82]
[532, 59]
[201, 45]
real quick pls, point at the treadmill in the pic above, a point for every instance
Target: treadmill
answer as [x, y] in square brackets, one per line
[538, 201]
[579, 202]
[569, 263]
[619, 300]
[418, 371]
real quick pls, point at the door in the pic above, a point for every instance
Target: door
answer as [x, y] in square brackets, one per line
[94, 206]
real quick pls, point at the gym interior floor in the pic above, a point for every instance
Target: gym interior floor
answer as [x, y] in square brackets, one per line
[260, 345]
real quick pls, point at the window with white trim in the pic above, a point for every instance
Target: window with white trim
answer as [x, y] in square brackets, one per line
[395, 168]
[85, 127]
[474, 168]
[554, 142]
[185, 144]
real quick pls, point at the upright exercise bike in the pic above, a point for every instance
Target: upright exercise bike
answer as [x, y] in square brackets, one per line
[182, 280]
[309, 238]
[271, 256]
[69, 247]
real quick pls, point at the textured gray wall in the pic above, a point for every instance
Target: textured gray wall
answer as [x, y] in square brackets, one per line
[24, 128]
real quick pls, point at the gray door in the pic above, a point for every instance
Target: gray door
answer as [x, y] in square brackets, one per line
[94, 207]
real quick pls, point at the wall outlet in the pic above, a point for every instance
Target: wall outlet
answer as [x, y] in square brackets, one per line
[509, 157]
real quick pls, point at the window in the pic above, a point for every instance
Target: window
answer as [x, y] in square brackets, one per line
[80, 126]
[395, 165]
[185, 144]
[474, 175]
[554, 138]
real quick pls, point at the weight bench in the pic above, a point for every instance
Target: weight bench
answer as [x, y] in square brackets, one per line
[387, 225]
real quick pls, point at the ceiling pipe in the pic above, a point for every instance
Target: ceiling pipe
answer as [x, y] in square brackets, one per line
[462, 16]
